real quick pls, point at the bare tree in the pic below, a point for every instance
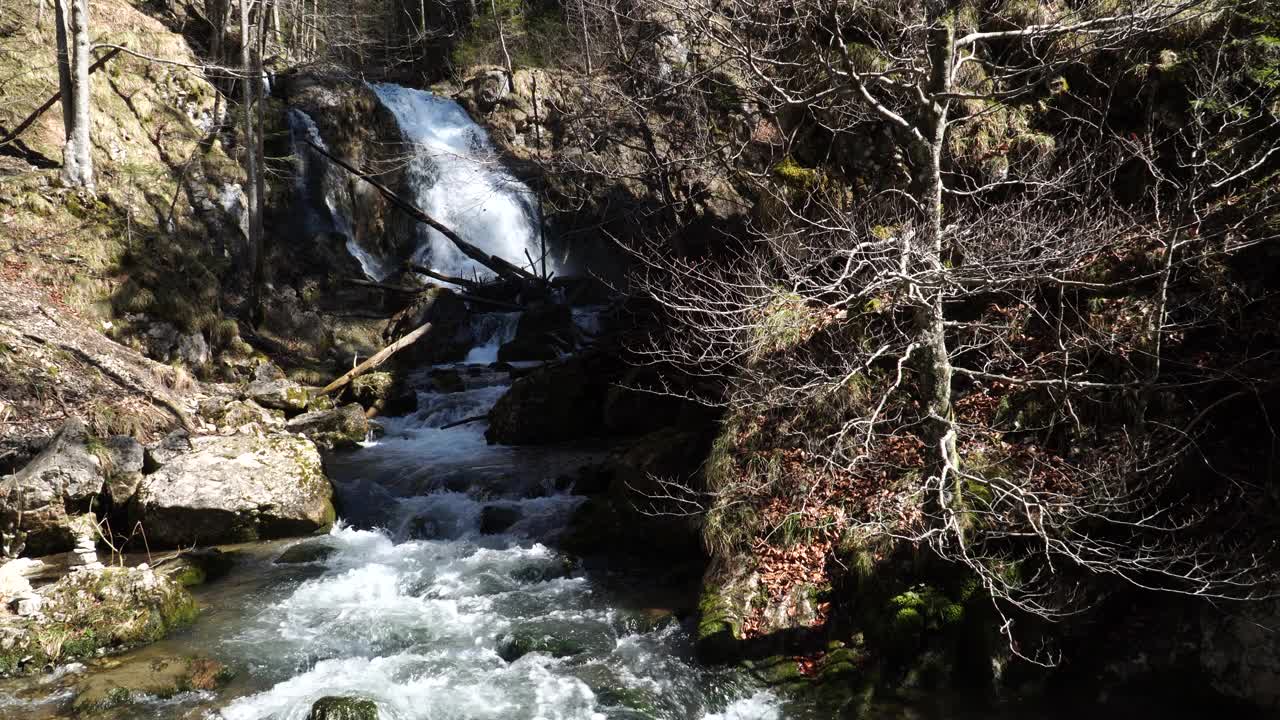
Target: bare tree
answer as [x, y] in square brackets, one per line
[72, 18]
[894, 326]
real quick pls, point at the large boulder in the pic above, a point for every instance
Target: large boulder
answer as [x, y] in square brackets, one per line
[450, 337]
[234, 489]
[38, 502]
[341, 428]
[553, 403]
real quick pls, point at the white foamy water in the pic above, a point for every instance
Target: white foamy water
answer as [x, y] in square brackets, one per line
[491, 330]
[456, 177]
[454, 560]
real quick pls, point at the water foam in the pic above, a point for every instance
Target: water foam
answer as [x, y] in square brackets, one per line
[458, 179]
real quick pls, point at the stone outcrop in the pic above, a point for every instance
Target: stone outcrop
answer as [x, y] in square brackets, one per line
[543, 333]
[553, 403]
[38, 502]
[236, 488]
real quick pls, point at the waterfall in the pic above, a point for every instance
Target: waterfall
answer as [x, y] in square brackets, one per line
[456, 177]
[331, 185]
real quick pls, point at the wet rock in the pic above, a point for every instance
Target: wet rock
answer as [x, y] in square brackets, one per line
[447, 380]
[281, 394]
[234, 489]
[517, 644]
[305, 552]
[41, 500]
[495, 519]
[543, 333]
[148, 678]
[196, 567]
[343, 708]
[341, 429]
[531, 574]
[553, 403]
[89, 611]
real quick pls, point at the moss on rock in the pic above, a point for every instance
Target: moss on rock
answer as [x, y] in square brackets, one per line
[91, 611]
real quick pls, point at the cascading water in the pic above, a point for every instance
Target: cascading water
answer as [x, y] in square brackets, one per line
[330, 184]
[456, 177]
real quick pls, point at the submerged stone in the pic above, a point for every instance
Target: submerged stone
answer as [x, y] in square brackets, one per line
[519, 643]
[144, 678]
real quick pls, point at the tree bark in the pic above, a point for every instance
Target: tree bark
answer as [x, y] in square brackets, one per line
[73, 84]
[250, 151]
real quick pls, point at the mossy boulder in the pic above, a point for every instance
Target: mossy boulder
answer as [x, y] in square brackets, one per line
[196, 567]
[343, 428]
[279, 394]
[379, 391]
[235, 489]
[343, 708]
[89, 611]
[148, 678]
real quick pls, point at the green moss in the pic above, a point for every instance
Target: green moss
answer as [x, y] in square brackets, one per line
[801, 178]
[718, 630]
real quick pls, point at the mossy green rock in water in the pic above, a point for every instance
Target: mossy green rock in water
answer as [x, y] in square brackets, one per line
[157, 677]
[343, 708]
[87, 611]
[518, 644]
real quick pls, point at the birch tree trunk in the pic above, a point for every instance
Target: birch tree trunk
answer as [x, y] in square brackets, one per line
[73, 81]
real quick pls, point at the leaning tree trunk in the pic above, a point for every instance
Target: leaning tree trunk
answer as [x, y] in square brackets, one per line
[73, 81]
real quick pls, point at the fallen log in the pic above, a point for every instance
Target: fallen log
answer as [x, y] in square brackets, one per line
[22, 126]
[424, 270]
[493, 262]
[376, 359]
